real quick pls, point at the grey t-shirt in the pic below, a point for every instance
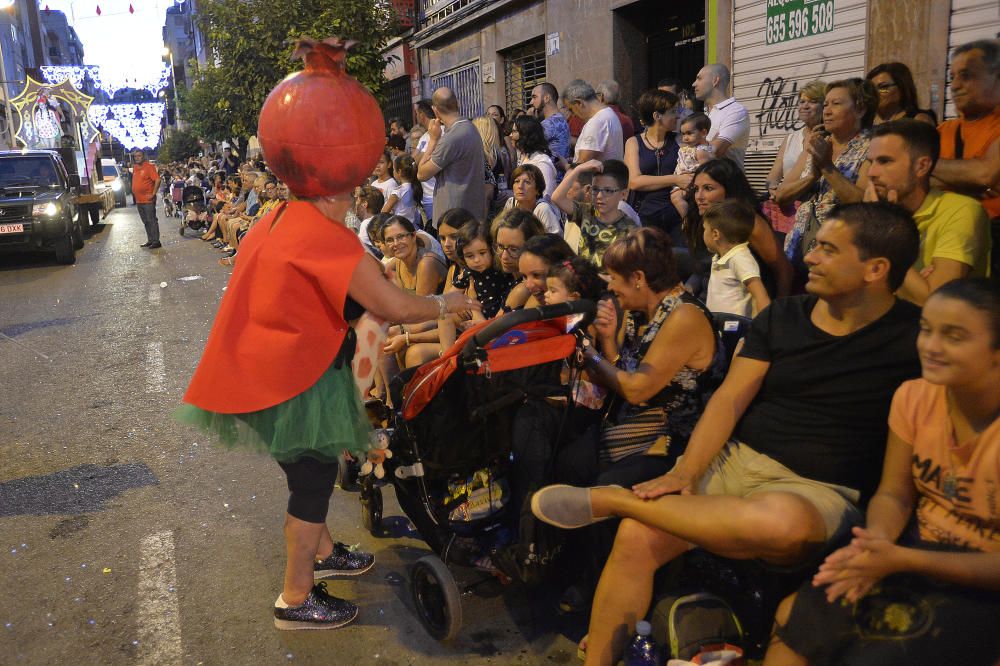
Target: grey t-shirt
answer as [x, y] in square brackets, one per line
[460, 183]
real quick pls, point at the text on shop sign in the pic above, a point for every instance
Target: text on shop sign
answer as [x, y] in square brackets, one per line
[794, 19]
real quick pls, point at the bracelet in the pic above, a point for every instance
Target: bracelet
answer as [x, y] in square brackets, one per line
[406, 336]
[442, 305]
[616, 359]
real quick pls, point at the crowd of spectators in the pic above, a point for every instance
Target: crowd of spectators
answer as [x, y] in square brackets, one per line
[869, 212]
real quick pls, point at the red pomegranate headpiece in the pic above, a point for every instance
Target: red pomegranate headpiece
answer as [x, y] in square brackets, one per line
[320, 130]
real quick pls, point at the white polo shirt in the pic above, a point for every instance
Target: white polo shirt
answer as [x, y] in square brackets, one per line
[730, 121]
[602, 134]
[727, 290]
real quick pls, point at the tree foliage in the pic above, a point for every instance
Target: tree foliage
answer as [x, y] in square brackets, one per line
[178, 145]
[252, 41]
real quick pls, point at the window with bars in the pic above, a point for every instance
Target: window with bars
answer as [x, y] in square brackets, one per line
[465, 82]
[523, 69]
[397, 101]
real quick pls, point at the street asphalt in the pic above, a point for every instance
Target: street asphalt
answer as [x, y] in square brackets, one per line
[127, 538]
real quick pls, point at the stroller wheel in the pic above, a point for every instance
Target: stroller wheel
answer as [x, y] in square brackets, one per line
[371, 508]
[181, 230]
[347, 473]
[436, 597]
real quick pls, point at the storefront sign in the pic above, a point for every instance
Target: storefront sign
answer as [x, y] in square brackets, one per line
[794, 19]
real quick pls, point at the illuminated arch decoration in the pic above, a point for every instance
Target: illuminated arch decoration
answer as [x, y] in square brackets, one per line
[134, 125]
[108, 80]
[40, 109]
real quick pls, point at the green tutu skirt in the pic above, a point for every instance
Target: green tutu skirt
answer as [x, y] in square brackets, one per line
[322, 422]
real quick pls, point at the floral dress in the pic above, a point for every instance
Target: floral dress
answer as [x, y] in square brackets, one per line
[812, 213]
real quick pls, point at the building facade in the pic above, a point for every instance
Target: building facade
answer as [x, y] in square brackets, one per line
[62, 45]
[495, 51]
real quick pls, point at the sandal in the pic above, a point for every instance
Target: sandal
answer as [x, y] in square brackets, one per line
[228, 261]
[581, 648]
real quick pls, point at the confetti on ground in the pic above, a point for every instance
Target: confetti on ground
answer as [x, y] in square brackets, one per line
[188, 278]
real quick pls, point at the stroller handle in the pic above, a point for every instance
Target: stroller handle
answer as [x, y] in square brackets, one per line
[514, 319]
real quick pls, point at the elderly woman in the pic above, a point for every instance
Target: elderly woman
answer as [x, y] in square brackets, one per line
[651, 158]
[529, 184]
[897, 94]
[810, 115]
[661, 366]
[838, 151]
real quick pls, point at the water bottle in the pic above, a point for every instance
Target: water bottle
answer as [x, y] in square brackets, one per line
[642, 650]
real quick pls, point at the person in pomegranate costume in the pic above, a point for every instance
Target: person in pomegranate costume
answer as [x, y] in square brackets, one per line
[276, 373]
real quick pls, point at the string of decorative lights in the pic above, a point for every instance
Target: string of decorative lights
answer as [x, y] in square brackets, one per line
[105, 79]
[134, 125]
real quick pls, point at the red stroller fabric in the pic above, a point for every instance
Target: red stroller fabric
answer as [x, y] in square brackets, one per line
[529, 344]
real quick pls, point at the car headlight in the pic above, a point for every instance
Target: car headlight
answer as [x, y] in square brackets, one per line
[116, 185]
[49, 209]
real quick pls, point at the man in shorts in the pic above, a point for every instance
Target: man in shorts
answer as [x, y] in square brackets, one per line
[789, 445]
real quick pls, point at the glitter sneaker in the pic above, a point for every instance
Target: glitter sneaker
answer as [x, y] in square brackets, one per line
[319, 611]
[344, 561]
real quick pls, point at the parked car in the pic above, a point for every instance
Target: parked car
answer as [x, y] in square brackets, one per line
[38, 205]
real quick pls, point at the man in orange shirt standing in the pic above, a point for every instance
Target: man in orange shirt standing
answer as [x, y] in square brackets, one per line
[970, 145]
[145, 185]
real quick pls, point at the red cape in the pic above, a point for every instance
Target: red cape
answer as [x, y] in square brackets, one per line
[281, 320]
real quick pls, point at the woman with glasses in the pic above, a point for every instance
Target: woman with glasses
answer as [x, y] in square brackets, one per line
[651, 157]
[510, 231]
[897, 94]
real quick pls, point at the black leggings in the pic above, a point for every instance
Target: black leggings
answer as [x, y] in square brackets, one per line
[310, 484]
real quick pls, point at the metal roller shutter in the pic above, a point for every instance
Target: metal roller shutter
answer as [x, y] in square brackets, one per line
[766, 77]
[465, 82]
[970, 20]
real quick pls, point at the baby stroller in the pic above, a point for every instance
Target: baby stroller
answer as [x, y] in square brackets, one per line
[451, 445]
[192, 205]
[173, 203]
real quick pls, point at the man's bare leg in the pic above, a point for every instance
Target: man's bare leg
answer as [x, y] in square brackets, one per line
[779, 527]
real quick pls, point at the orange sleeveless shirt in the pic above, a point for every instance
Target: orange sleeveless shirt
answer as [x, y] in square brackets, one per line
[281, 321]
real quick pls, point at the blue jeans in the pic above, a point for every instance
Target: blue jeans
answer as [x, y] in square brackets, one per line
[147, 213]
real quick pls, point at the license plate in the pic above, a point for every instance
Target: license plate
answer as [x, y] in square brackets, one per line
[11, 228]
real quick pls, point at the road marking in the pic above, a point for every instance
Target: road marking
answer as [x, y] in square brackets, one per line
[154, 294]
[156, 370]
[159, 614]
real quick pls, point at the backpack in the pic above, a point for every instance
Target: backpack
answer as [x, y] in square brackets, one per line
[531, 558]
[684, 623]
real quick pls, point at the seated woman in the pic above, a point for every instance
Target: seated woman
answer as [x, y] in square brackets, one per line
[538, 256]
[838, 152]
[722, 179]
[415, 269]
[510, 231]
[528, 184]
[929, 596]
[660, 367]
[897, 94]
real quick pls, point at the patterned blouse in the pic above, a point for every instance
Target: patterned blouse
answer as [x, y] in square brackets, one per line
[823, 198]
[673, 412]
[491, 285]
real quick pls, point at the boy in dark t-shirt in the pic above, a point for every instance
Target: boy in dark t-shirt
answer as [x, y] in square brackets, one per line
[790, 442]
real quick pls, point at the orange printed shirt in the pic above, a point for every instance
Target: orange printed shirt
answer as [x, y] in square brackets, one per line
[957, 483]
[977, 136]
[281, 321]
